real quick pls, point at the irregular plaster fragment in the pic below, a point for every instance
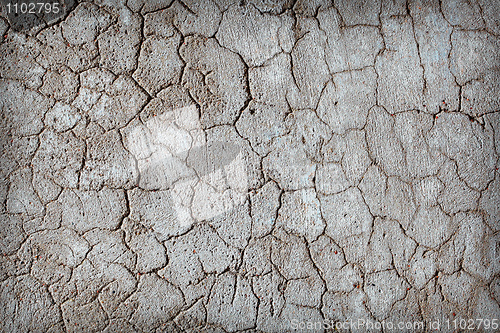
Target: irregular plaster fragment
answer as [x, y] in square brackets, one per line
[188, 17]
[490, 203]
[55, 52]
[399, 66]
[52, 253]
[256, 257]
[331, 179]
[51, 220]
[356, 159]
[62, 117]
[467, 144]
[18, 151]
[161, 144]
[22, 198]
[432, 34]
[109, 248]
[348, 48]
[373, 186]
[422, 159]
[118, 104]
[306, 125]
[184, 266]
[17, 63]
[25, 108]
[215, 77]
[192, 318]
[159, 63]
[150, 253]
[234, 226]
[268, 289]
[288, 165]
[198, 252]
[359, 11]
[98, 79]
[484, 304]
[480, 96]
[458, 289]
[85, 210]
[305, 292]
[272, 83]
[473, 54]
[157, 211]
[378, 253]
[119, 45]
[84, 23]
[399, 203]
[45, 188]
[309, 67]
[349, 222]
[456, 196]
[244, 30]
[108, 164]
[242, 165]
[408, 310]
[329, 258]
[60, 156]
[89, 318]
[300, 214]
[391, 246]
[290, 256]
[347, 98]
[348, 278]
[232, 303]
[346, 307]
[472, 248]
[435, 307]
[334, 150]
[383, 290]
[22, 297]
[462, 13]
[111, 283]
[264, 203]
[11, 234]
[423, 266]
[384, 146]
[158, 301]
[427, 190]
[197, 17]
[261, 124]
[207, 174]
[490, 15]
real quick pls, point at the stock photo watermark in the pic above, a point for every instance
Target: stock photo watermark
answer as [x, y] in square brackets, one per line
[203, 178]
[24, 15]
[397, 326]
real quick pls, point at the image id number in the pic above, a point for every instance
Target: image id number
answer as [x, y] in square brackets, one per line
[473, 324]
[33, 8]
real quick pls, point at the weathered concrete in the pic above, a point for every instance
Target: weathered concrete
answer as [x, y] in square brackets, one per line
[251, 166]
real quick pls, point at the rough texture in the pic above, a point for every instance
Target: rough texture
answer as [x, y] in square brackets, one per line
[251, 166]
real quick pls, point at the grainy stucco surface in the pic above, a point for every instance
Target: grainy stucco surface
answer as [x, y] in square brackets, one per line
[251, 166]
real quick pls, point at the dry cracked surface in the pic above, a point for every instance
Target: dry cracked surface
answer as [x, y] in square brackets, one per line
[253, 166]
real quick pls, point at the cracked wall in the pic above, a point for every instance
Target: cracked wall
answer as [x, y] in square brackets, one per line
[227, 166]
